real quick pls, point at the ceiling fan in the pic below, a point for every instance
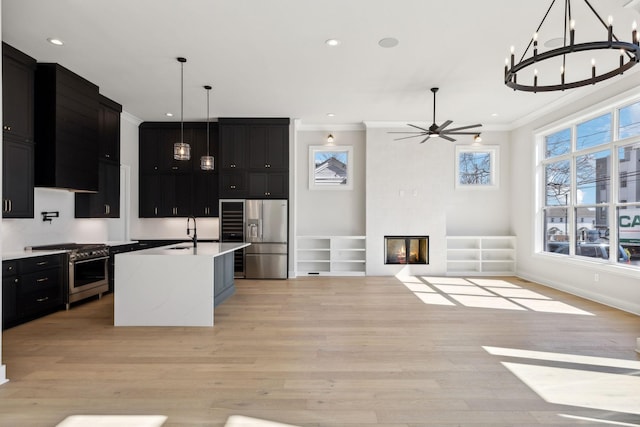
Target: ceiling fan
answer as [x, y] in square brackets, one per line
[441, 131]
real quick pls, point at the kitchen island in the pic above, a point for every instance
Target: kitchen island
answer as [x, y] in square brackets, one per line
[175, 285]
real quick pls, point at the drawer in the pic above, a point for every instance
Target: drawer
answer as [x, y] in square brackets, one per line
[9, 268]
[35, 282]
[30, 265]
[39, 301]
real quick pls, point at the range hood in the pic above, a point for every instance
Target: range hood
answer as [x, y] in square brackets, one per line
[66, 130]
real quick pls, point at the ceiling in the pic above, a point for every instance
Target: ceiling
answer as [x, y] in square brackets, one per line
[268, 58]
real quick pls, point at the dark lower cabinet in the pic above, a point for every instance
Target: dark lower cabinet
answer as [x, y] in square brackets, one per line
[223, 272]
[35, 289]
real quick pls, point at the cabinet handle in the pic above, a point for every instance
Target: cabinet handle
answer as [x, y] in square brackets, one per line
[42, 299]
[174, 168]
[10, 268]
[5, 206]
[15, 280]
[107, 156]
[233, 187]
[232, 165]
[10, 205]
[42, 279]
[155, 210]
[43, 263]
[155, 168]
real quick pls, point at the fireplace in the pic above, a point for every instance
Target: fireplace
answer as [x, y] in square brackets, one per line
[406, 249]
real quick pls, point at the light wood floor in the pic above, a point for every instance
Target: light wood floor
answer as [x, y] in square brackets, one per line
[320, 352]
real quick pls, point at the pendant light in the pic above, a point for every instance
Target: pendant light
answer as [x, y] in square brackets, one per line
[206, 162]
[181, 150]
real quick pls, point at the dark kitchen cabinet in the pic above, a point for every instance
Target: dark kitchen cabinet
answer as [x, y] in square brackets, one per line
[18, 74]
[205, 194]
[269, 147]
[9, 293]
[106, 202]
[109, 129]
[268, 185]
[66, 130]
[165, 195]
[233, 145]
[17, 179]
[233, 184]
[254, 154]
[173, 188]
[35, 288]
[18, 71]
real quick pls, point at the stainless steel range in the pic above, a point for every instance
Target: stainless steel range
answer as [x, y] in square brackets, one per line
[88, 273]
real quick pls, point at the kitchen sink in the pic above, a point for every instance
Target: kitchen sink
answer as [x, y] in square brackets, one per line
[180, 247]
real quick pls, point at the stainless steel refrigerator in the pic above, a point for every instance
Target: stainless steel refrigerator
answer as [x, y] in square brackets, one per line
[266, 229]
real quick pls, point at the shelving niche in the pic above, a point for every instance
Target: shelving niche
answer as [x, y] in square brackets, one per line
[481, 255]
[330, 256]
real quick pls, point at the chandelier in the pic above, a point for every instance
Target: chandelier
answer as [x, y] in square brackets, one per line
[571, 75]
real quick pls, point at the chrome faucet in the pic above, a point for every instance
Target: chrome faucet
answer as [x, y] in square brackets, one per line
[194, 239]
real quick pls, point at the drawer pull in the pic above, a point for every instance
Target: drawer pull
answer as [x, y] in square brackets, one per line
[43, 263]
[42, 299]
[43, 279]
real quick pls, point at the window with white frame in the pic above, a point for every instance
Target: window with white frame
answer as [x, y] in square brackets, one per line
[590, 172]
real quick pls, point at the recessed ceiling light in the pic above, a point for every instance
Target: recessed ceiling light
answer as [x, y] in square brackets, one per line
[55, 41]
[331, 115]
[388, 42]
[332, 42]
[494, 115]
[553, 43]
[169, 114]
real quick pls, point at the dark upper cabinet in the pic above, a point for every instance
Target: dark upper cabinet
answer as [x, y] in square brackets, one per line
[66, 130]
[233, 184]
[106, 202]
[251, 150]
[205, 194]
[233, 145]
[18, 73]
[109, 129]
[174, 188]
[17, 179]
[17, 94]
[269, 147]
[268, 185]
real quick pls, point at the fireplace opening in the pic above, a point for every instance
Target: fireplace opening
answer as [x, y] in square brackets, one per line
[406, 249]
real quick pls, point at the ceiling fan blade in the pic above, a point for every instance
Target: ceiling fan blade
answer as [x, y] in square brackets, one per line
[443, 136]
[464, 127]
[459, 133]
[407, 137]
[407, 132]
[444, 125]
[418, 127]
[424, 140]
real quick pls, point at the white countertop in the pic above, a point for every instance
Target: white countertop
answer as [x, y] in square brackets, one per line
[186, 248]
[7, 256]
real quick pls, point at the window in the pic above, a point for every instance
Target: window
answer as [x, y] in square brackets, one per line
[584, 211]
[330, 167]
[476, 167]
[629, 118]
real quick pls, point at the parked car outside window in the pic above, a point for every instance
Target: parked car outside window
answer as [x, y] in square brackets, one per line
[593, 250]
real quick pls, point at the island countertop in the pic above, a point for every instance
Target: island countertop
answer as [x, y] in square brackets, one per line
[173, 285]
[186, 248]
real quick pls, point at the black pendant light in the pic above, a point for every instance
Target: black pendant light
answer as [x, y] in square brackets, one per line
[207, 162]
[181, 150]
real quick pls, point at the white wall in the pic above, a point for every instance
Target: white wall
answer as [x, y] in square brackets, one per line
[330, 212]
[616, 286]
[3, 370]
[411, 191]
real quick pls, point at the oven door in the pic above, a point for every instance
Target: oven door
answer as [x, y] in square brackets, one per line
[88, 277]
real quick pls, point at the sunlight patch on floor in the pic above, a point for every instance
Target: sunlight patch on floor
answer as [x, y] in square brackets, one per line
[113, 421]
[577, 387]
[598, 420]
[497, 294]
[581, 382]
[242, 421]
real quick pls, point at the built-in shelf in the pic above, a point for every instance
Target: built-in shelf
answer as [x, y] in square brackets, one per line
[481, 255]
[330, 256]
